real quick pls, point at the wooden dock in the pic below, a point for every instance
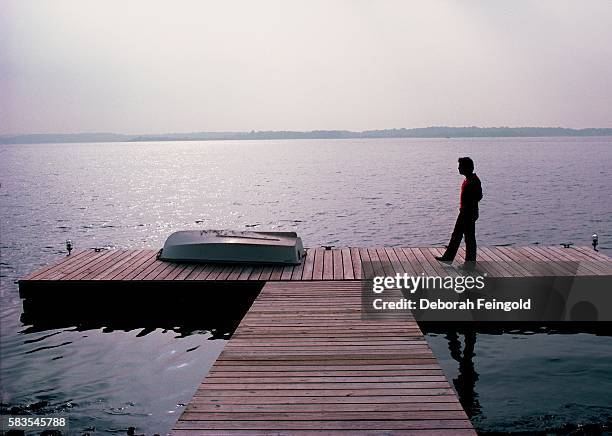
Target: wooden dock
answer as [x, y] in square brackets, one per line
[319, 264]
[302, 360]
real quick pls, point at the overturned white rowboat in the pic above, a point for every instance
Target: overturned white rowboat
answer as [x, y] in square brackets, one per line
[233, 246]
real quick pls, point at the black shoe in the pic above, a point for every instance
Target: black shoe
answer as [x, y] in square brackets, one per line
[444, 259]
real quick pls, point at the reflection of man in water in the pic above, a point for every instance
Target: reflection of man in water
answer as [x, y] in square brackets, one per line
[465, 383]
[471, 194]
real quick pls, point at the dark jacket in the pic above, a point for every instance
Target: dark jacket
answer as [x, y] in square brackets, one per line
[471, 194]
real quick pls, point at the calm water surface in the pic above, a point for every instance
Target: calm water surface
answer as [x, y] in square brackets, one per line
[340, 192]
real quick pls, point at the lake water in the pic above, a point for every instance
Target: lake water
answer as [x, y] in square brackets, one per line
[139, 373]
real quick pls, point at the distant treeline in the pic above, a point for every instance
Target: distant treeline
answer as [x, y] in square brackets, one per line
[426, 132]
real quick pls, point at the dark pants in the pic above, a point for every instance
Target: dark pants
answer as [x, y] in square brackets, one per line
[465, 226]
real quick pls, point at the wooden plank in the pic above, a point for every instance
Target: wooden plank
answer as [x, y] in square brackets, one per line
[366, 263]
[327, 385]
[330, 339]
[287, 272]
[327, 362]
[366, 369]
[337, 331]
[347, 264]
[256, 273]
[377, 266]
[225, 272]
[379, 254]
[305, 407]
[311, 381]
[225, 432]
[317, 273]
[353, 425]
[449, 400]
[323, 375]
[331, 342]
[246, 272]
[338, 264]
[356, 262]
[266, 272]
[298, 270]
[308, 264]
[321, 392]
[236, 271]
[328, 265]
[211, 272]
[319, 415]
[277, 272]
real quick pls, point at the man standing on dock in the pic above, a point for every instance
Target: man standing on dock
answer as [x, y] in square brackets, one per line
[471, 194]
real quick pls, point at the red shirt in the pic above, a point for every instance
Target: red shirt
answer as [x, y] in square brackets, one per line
[471, 193]
[463, 186]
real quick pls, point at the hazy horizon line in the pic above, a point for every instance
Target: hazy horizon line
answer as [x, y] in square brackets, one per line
[389, 129]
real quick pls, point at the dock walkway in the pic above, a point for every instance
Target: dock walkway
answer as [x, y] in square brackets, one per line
[303, 360]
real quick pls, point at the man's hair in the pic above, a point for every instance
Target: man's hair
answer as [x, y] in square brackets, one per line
[467, 163]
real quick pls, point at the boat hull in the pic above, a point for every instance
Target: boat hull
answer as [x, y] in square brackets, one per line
[234, 247]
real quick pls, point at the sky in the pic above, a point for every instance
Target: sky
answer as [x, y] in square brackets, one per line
[152, 66]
